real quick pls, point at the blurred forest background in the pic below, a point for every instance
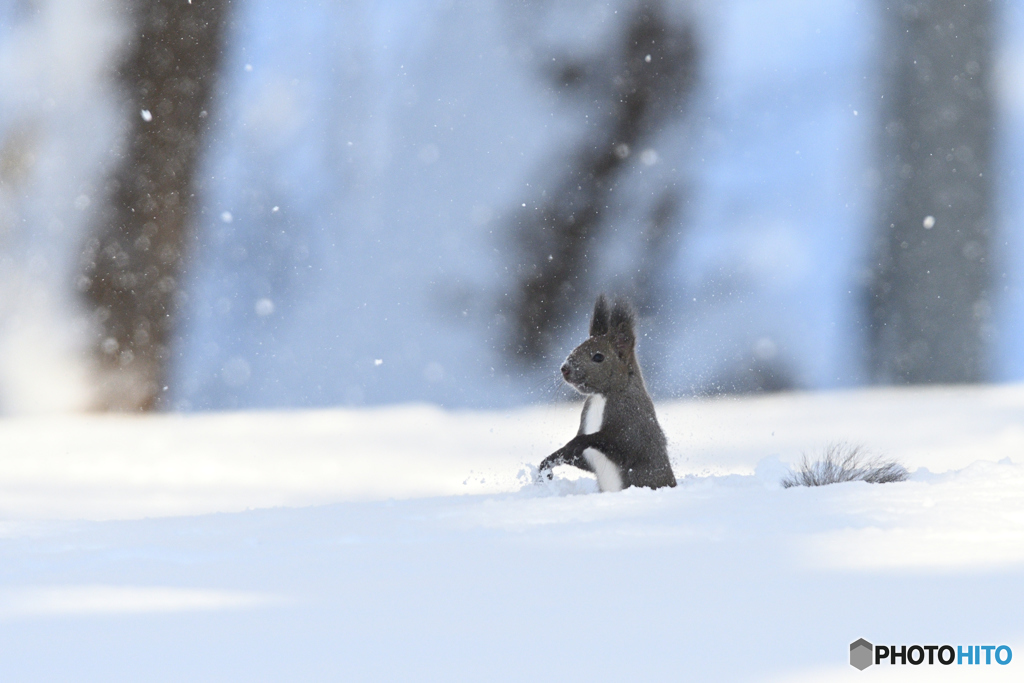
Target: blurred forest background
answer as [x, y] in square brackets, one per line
[214, 204]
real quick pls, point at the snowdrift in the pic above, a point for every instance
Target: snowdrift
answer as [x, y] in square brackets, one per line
[408, 544]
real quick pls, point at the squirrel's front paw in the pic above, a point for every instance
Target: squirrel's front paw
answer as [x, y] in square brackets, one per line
[544, 472]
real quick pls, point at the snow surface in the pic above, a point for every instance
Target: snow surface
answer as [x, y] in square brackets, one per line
[378, 570]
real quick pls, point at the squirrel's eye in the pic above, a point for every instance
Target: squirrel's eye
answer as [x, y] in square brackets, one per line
[597, 357]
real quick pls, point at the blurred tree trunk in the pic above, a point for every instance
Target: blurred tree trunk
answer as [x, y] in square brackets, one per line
[640, 87]
[133, 263]
[929, 302]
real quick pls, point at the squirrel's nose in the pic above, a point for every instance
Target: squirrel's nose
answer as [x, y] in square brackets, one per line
[565, 370]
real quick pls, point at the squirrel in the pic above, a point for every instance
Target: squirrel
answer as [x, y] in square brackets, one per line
[619, 438]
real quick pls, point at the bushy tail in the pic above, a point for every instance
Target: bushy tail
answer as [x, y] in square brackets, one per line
[842, 462]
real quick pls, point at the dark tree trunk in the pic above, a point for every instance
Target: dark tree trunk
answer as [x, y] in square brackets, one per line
[648, 76]
[133, 264]
[929, 302]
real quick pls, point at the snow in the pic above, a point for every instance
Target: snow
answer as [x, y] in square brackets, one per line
[409, 543]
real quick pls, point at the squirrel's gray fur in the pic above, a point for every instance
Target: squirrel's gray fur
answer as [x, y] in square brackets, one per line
[619, 438]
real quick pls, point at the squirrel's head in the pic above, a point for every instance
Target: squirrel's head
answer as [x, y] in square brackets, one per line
[605, 362]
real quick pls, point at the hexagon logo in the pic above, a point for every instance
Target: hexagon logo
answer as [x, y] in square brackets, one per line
[861, 654]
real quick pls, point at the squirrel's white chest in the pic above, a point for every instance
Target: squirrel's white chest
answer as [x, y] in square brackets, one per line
[593, 417]
[609, 478]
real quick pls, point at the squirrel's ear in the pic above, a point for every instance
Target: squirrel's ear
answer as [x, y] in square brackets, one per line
[623, 326]
[599, 323]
